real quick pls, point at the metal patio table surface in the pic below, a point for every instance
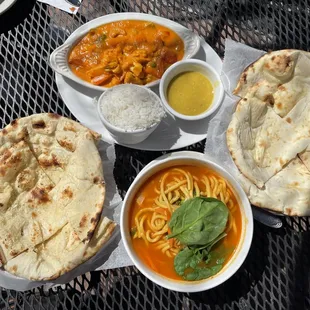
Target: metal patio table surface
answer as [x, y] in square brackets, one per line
[276, 272]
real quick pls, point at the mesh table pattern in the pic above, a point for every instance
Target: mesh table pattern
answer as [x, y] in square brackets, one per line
[276, 272]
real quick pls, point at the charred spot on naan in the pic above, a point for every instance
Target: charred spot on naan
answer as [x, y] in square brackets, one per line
[281, 87]
[14, 123]
[46, 162]
[96, 136]
[269, 99]
[67, 193]
[96, 180]
[11, 162]
[89, 236]
[280, 65]
[54, 115]
[96, 219]
[84, 220]
[289, 120]
[40, 195]
[39, 124]
[69, 127]
[25, 180]
[68, 145]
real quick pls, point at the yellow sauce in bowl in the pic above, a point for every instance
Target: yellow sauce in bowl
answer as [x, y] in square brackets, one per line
[190, 93]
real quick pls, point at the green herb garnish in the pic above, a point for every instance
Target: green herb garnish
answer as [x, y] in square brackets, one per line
[199, 224]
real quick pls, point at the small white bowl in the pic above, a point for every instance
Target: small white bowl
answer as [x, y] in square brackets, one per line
[188, 158]
[197, 66]
[123, 136]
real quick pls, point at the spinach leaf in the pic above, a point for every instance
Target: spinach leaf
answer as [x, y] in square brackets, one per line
[202, 273]
[198, 221]
[208, 246]
[186, 258]
[186, 264]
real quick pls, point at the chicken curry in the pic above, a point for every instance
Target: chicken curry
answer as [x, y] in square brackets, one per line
[128, 51]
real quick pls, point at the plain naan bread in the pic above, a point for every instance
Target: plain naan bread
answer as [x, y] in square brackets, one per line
[50, 178]
[287, 192]
[269, 134]
[276, 68]
[60, 254]
[260, 141]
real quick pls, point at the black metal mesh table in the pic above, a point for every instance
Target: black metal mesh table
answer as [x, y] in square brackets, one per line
[276, 272]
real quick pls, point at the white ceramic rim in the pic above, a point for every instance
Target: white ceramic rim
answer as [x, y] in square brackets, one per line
[214, 105]
[120, 130]
[64, 49]
[243, 247]
[5, 5]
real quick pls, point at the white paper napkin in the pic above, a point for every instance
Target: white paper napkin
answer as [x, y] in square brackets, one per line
[70, 6]
[237, 57]
[112, 255]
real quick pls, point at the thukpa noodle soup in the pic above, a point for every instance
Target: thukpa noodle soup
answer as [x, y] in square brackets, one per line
[185, 222]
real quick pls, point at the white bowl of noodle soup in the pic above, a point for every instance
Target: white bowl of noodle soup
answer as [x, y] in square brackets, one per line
[155, 168]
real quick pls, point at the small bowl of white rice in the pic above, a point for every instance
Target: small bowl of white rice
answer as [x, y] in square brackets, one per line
[130, 112]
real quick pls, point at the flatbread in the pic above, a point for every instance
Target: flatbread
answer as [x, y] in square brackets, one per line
[60, 254]
[269, 134]
[287, 192]
[261, 142]
[24, 195]
[276, 68]
[51, 182]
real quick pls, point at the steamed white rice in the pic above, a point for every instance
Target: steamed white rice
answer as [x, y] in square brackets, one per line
[131, 108]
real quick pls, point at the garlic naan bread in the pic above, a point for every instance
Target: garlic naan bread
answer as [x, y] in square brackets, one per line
[60, 254]
[269, 134]
[51, 188]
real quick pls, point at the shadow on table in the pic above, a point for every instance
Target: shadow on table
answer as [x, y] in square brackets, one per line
[16, 14]
[250, 273]
[296, 247]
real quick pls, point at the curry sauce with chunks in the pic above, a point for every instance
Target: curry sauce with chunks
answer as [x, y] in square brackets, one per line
[129, 51]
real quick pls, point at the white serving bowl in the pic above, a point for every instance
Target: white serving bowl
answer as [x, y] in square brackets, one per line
[59, 57]
[197, 66]
[123, 136]
[188, 158]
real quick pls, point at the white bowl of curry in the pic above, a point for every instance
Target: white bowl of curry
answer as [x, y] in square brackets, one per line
[123, 48]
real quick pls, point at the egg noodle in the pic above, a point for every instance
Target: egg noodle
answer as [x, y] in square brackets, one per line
[151, 222]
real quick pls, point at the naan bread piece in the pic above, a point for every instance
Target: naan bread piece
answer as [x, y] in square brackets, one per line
[21, 179]
[50, 178]
[84, 212]
[31, 218]
[299, 118]
[285, 75]
[52, 139]
[85, 163]
[287, 192]
[276, 67]
[60, 254]
[260, 141]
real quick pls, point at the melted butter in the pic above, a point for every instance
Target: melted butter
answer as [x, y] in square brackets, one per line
[190, 93]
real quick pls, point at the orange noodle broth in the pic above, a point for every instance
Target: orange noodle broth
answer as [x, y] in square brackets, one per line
[151, 211]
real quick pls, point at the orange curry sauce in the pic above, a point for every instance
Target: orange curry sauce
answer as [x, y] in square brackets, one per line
[128, 51]
[156, 259]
